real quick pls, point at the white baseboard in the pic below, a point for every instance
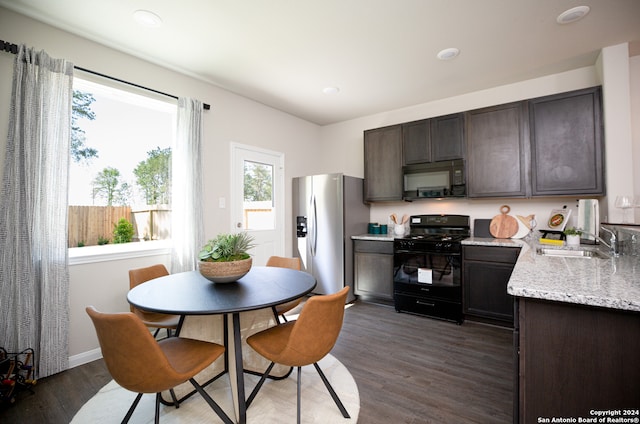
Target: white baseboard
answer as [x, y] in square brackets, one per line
[84, 357]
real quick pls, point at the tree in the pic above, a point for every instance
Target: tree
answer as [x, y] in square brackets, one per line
[258, 182]
[123, 194]
[105, 185]
[81, 109]
[153, 176]
[123, 231]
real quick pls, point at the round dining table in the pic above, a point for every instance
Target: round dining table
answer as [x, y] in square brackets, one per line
[189, 293]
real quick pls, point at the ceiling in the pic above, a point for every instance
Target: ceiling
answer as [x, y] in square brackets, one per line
[380, 54]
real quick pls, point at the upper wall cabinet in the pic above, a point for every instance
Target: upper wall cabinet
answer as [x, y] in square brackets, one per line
[497, 151]
[433, 140]
[447, 137]
[566, 144]
[416, 142]
[383, 164]
[548, 146]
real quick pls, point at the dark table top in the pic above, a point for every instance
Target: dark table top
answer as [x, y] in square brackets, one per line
[189, 293]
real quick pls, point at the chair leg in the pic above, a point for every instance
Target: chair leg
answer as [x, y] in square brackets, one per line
[298, 395]
[275, 314]
[174, 398]
[335, 397]
[223, 416]
[157, 415]
[255, 390]
[126, 418]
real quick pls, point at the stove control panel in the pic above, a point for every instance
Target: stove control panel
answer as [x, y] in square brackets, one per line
[422, 246]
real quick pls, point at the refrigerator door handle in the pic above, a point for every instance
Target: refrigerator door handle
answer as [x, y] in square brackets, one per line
[313, 223]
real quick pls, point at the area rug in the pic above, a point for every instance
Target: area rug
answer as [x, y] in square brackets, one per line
[274, 404]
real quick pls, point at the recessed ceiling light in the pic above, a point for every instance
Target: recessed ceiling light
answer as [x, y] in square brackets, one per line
[573, 14]
[147, 18]
[331, 90]
[448, 54]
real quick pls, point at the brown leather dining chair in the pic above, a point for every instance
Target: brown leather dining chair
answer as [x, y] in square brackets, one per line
[139, 363]
[304, 341]
[152, 319]
[282, 262]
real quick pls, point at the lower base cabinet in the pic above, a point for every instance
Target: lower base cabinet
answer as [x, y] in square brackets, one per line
[485, 273]
[373, 269]
[575, 361]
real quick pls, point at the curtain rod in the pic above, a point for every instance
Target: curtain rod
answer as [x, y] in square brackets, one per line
[13, 48]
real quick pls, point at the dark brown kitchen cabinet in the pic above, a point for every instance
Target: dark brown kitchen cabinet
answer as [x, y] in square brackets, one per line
[447, 137]
[435, 139]
[383, 164]
[373, 269]
[574, 359]
[416, 142]
[567, 144]
[485, 273]
[497, 151]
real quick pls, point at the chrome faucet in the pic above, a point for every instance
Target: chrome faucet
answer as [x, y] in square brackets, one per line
[613, 241]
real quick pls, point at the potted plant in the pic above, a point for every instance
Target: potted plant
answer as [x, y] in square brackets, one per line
[225, 259]
[573, 236]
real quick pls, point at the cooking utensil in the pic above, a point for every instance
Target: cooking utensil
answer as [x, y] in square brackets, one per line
[524, 226]
[503, 225]
[481, 228]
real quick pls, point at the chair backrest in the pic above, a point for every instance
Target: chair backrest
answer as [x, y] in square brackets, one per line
[316, 330]
[140, 275]
[281, 262]
[132, 355]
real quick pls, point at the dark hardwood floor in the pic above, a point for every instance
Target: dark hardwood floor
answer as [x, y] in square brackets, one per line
[57, 398]
[411, 369]
[408, 369]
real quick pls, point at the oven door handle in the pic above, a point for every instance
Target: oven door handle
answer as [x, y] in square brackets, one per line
[420, 252]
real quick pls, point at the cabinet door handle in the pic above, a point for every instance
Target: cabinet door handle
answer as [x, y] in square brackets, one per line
[420, 302]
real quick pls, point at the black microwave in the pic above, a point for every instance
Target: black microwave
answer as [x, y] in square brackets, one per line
[434, 180]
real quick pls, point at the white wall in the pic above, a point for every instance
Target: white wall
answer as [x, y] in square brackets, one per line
[344, 141]
[308, 148]
[634, 77]
[232, 118]
[614, 67]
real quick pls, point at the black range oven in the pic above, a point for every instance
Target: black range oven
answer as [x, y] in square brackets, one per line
[427, 266]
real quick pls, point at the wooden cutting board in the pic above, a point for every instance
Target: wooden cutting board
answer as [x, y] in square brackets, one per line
[523, 227]
[503, 225]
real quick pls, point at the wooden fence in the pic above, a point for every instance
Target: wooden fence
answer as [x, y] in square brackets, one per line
[89, 223]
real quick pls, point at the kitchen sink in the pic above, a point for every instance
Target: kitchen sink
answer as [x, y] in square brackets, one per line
[573, 253]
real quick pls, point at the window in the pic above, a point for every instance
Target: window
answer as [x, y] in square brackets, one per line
[259, 211]
[120, 165]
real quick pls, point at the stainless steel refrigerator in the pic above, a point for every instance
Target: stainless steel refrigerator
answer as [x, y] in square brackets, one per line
[327, 210]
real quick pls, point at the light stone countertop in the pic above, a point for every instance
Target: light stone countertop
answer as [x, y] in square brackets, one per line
[610, 283]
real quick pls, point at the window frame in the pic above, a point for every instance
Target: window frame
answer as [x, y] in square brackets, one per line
[142, 248]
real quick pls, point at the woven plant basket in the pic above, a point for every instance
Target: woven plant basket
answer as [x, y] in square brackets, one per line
[224, 272]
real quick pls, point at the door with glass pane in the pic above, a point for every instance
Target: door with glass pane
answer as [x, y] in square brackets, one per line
[257, 199]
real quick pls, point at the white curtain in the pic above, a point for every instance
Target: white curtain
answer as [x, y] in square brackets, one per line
[34, 276]
[187, 224]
